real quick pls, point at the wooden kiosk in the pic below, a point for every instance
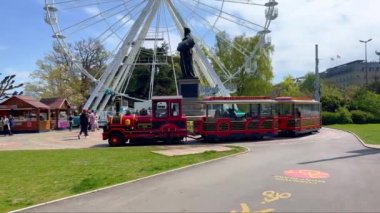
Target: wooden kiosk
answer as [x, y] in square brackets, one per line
[60, 109]
[30, 115]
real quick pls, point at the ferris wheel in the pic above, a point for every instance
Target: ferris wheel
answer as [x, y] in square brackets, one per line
[128, 27]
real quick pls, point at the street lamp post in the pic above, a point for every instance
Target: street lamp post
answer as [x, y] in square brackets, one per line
[366, 62]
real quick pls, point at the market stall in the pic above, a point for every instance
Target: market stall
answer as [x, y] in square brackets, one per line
[60, 109]
[30, 115]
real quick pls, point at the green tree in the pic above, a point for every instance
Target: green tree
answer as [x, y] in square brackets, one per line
[288, 87]
[308, 85]
[54, 76]
[164, 83]
[367, 101]
[54, 81]
[233, 56]
[331, 98]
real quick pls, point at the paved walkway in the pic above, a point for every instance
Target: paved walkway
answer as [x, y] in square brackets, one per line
[325, 172]
[63, 139]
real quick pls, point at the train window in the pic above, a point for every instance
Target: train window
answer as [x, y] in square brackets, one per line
[254, 110]
[266, 109]
[175, 109]
[285, 109]
[161, 109]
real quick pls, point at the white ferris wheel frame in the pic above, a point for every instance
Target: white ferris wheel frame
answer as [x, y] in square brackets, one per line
[120, 70]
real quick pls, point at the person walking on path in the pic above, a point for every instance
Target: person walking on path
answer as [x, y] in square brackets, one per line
[83, 124]
[96, 120]
[11, 124]
[6, 126]
[2, 125]
[92, 120]
[71, 121]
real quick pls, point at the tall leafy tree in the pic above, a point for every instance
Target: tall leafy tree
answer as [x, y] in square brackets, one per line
[308, 84]
[54, 76]
[288, 87]
[230, 52]
[332, 98]
[164, 83]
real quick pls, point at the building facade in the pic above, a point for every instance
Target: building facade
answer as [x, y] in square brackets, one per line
[352, 74]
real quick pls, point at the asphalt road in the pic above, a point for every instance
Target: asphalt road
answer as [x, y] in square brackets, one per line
[326, 172]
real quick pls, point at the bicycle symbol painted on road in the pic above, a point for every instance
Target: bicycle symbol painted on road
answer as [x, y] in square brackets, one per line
[271, 196]
[245, 209]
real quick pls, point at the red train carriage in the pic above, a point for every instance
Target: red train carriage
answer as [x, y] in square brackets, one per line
[298, 115]
[237, 118]
[165, 122]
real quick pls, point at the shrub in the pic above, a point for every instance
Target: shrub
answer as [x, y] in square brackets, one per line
[367, 101]
[361, 117]
[341, 116]
[344, 116]
[329, 118]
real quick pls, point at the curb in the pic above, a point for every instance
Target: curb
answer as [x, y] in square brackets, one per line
[358, 138]
[132, 181]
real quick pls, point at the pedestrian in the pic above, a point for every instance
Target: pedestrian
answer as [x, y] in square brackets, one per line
[92, 121]
[71, 121]
[83, 119]
[6, 128]
[11, 124]
[2, 125]
[96, 120]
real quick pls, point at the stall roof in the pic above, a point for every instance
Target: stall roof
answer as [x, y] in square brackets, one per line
[26, 99]
[55, 103]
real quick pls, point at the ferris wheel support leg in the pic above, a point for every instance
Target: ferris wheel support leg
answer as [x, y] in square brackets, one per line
[200, 58]
[128, 65]
[98, 93]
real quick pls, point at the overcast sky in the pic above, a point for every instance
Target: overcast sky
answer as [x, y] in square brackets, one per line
[336, 25]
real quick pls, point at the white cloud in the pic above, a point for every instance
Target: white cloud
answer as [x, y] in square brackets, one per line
[92, 11]
[335, 25]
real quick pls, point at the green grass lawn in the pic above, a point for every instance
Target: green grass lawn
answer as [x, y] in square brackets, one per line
[369, 133]
[31, 177]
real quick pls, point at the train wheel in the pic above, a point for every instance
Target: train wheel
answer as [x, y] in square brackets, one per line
[116, 139]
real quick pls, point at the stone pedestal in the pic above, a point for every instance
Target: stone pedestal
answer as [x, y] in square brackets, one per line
[189, 88]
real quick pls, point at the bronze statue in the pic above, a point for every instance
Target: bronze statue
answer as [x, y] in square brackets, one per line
[186, 54]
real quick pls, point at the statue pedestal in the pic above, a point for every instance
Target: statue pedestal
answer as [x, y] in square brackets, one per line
[189, 88]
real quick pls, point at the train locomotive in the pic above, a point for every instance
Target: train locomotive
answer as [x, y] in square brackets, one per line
[225, 118]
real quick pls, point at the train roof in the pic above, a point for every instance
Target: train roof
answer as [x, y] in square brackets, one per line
[295, 100]
[174, 97]
[237, 100]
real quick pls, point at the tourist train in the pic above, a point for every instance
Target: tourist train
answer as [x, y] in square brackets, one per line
[224, 118]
